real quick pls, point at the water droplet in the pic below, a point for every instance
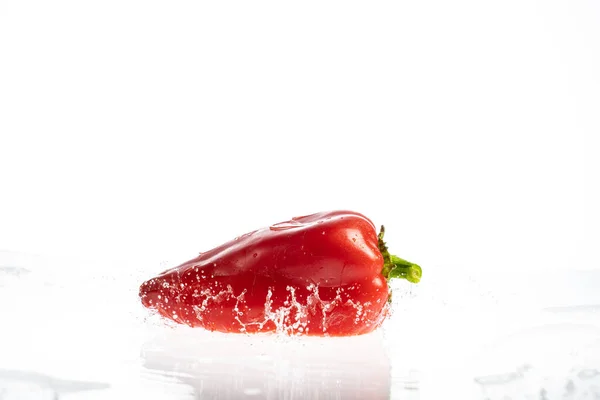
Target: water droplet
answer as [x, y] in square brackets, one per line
[255, 255]
[282, 226]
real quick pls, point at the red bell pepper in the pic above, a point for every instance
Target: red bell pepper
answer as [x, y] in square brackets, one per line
[323, 274]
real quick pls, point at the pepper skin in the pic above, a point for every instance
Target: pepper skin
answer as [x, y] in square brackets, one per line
[323, 274]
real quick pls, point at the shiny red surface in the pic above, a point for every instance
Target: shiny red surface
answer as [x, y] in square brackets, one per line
[317, 274]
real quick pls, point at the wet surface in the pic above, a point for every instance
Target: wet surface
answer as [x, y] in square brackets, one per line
[77, 330]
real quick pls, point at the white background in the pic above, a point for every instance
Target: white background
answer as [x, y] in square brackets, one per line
[134, 134]
[148, 131]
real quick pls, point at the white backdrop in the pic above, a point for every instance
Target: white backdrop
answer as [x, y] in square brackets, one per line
[147, 131]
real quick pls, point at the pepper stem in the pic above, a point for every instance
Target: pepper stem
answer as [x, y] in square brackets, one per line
[396, 267]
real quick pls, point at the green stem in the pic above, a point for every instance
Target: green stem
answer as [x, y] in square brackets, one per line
[396, 267]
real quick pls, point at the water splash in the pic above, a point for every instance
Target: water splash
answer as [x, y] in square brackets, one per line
[294, 316]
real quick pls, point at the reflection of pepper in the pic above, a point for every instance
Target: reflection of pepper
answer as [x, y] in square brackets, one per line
[321, 274]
